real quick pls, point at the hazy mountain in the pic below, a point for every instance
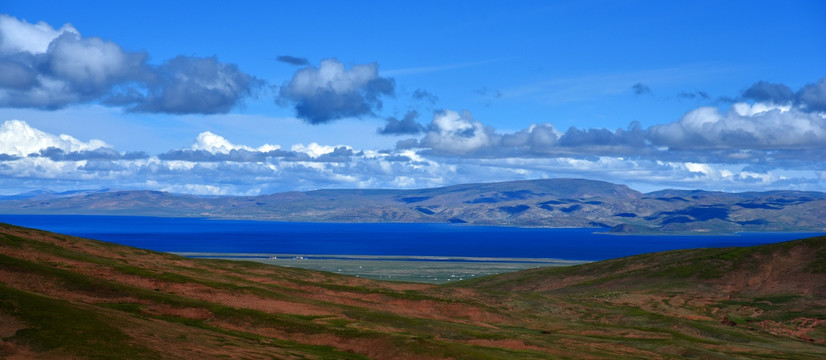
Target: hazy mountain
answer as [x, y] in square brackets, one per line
[66, 297]
[46, 194]
[544, 203]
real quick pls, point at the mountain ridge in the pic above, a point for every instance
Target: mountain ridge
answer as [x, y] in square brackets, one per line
[532, 203]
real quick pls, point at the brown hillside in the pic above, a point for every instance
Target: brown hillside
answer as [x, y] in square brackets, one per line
[797, 267]
[66, 297]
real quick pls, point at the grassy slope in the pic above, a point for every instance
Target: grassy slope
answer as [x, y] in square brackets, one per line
[63, 297]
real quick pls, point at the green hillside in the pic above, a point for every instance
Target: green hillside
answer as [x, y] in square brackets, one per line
[66, 297]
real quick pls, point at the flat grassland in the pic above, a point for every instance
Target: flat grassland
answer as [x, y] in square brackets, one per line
[423, 269]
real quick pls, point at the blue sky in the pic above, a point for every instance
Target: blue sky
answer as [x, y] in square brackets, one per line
[215, 98]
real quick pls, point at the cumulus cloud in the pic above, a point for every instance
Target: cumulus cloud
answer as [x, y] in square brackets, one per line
[331, 91]
[743, 126]
[91, 65]
[406, 126]
[745, 133]
[210, 147]
[533, 140]
[640, 89]
[190, 85]
[454, 133]
[46, 68]
[292, 60]
[55, 68]
[461, 135]
[215, 144]
[17, 138]
[621, 141]
[21, 36]
[812, 97]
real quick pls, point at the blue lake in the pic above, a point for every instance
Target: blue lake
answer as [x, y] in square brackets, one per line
[262, 237]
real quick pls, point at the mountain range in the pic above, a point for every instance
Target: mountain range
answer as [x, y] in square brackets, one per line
[535, 203]
[64, 297]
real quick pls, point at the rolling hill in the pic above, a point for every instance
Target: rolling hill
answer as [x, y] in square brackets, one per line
[67, 297]
[540, 203]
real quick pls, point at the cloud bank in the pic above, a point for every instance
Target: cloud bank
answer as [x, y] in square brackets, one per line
[752, 133]
[455, 149]
[46, 68]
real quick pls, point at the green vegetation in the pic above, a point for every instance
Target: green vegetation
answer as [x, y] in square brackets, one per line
[68, 297]
[414, 269]
[69, 328]
[819, 265]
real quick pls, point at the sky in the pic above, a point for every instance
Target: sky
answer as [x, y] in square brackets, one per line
[257, 97]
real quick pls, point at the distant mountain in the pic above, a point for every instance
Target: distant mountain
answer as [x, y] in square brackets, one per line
[540, 203]
[46, 194]
[63, 297]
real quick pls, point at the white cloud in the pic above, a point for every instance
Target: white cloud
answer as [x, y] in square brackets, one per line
[91, 62]
[743, 133]
[744, 126]
[212, 143]
[21, 36]
[454, 133]
[19, 139]
[745, 109]
[217, 144]
[406, 168]
[332, 75]
[314, 150]
[536, 138]
[48, 68]
[44, 68]
[704, 169]
[331, 91]
[197, 189]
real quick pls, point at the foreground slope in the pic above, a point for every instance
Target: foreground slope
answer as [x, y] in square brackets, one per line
[66, 297]
[544, 203]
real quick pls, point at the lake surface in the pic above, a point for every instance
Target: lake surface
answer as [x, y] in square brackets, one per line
[198, 235]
